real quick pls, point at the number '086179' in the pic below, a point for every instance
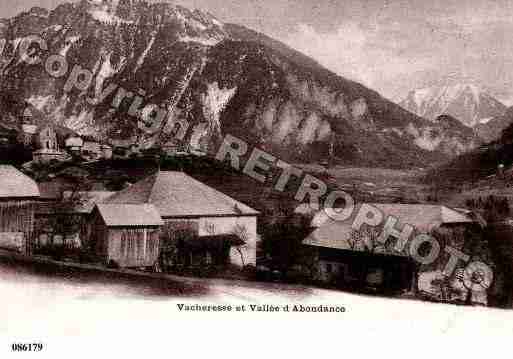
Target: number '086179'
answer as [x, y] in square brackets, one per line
[27, 347]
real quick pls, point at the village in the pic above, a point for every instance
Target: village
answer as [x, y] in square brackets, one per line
[256, 178]
[167, 221]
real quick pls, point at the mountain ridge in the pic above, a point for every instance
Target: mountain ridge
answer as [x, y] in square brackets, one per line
[467, 102]
[223, 77]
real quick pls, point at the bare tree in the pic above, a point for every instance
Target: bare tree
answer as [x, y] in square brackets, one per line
[241, 231]
[365, 240]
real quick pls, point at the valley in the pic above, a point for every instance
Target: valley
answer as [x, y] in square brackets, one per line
[376, 184]
[162, 87]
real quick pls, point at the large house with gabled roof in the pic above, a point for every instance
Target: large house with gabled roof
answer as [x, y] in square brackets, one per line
[207, 226]
[346, 256]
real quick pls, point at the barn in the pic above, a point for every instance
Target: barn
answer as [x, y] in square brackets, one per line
[18, 194]
[354, 258]
[203, 225]
[126, 235]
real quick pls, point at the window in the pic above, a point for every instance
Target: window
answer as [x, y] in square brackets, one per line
[375, 276]
[329, 267]
[131, 247]
[140, 249]
[149, 246]
[123, 245]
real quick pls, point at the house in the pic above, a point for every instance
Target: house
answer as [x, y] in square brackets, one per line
[28, 132]
[120, 152]
[121, 148]
[126, 235]
[48, 145]
[92, 150]
[74, 144]
[134, 149]
[46, 212]
[175, 148]
[204, 225]
[62, 215]
[18, 194]
[348, 257]
[106, 152]
[8, 135]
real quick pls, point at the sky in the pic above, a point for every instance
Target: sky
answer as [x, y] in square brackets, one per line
[390, 46]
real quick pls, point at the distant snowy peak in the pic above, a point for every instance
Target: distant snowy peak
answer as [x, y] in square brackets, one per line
[445, 95]
[469, 103]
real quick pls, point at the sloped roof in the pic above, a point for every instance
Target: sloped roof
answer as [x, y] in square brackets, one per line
[129, 215]
[15, 184]
[91, 146]
[421, 216]
[74, 142]
[424, 218]
[29, 129]
[60, 131]
[176, 194]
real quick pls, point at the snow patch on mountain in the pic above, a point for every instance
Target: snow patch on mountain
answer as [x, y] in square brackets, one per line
[468, 103]
[287, 124]
[107, 70]
[141, 59]
[433, 138]
[187, 20]
[359, 108]
[331, 102]
[307, 133]
[201, 40]
[217, 22]
[16, 42]
[443, 96]
[427, 141]
[422, 96]
[214, 102]
[269, 115]
[105, 12]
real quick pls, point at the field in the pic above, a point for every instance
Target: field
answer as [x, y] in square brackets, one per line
[376, 184]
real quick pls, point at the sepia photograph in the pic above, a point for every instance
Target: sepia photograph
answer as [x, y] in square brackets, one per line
[256, 178]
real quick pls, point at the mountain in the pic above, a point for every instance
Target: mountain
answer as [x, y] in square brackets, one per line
[479, 164]
[221, 78]
[492, 130]
[466, 102]
[453, 136]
